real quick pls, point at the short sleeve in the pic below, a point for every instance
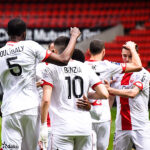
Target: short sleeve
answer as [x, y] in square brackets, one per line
[141, 80]
[116, 68]
[93, 78]
[40, 53]
[46, 73]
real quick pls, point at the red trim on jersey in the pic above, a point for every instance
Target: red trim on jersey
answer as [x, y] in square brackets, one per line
[46, 83]
[48, 53]
[123, 65]
[91, 60]
[11, 43]
[138, 84]
[125, 108]
[48, 120]
[93, 87]
[97, 102]
[126, 78]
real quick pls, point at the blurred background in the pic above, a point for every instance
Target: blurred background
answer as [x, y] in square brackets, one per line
[114, 21]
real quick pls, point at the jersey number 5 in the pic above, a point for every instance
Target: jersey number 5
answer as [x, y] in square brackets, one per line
[15, 69]
[72, 84]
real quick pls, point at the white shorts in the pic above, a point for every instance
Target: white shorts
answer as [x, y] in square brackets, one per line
[102, 131]
[71, 142]
[49, 138]
[124, 139]
[20, 130]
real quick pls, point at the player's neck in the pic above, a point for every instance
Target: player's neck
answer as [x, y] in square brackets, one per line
[16, 38]
[98, 57]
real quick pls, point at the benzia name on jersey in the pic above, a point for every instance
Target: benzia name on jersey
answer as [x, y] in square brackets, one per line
[11, 51]
[72, 69]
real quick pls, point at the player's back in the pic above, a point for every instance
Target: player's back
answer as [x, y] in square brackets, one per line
[17, 75]
[105, 70]
[70, 83]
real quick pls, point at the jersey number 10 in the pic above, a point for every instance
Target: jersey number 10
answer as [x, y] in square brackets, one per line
[72, 85]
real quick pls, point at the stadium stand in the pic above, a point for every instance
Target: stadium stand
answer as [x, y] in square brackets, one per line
[85, 14]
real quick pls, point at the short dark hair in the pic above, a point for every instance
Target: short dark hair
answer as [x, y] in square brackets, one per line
[136, 48]
[96, 46]
[61, 43]
[78, 55]
[16, 27]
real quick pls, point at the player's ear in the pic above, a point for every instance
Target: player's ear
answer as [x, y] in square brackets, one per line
[103, 52]
[24, 35]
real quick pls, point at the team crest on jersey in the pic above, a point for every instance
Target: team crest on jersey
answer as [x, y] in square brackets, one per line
[131, 80]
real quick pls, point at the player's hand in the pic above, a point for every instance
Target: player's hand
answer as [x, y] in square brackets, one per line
[84, 103]
[130, 45]
[44, 135]
[75, 32]
[107, 84]
[38, 84]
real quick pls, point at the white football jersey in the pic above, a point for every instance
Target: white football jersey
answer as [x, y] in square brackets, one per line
[18, 75]
[69, 83]
[105, 70]
[132, 113]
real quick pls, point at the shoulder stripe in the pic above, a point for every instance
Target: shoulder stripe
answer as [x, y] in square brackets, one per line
[48, 53]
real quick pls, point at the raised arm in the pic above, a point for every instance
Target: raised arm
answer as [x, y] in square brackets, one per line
[65, 56]
[136, 64]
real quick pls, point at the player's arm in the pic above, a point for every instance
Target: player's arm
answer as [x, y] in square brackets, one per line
[86, 105]
[129, 93]
[47, 90]
[63, 58]
[101, 91]
[136, 64]
[111, 100]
